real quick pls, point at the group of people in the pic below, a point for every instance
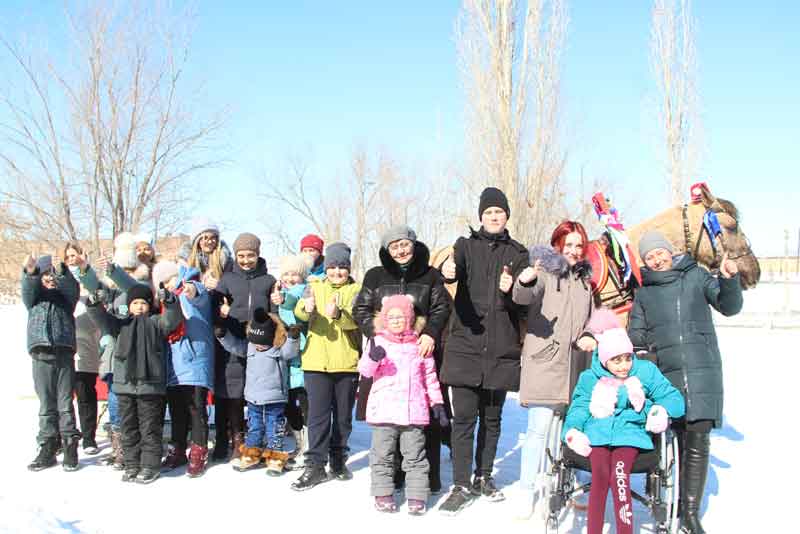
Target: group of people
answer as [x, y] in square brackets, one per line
[428, 368]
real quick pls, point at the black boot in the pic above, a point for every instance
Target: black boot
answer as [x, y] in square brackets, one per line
[312, 476]
[339, 469]
[46, 457]
[70, 462]
[693, 483]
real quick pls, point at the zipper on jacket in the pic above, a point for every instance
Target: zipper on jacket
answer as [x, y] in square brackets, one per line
[683, 354]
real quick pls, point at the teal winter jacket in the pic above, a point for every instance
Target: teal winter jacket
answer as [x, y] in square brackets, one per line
[626, 428]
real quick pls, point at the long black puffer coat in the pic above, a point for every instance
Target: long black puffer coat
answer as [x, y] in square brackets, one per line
[671, 317]
[483, 344]
[423, 283]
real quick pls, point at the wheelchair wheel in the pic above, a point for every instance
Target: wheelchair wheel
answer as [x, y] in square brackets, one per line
[549, 471]
[670, 467]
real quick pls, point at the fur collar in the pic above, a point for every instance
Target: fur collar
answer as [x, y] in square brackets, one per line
[556, 264]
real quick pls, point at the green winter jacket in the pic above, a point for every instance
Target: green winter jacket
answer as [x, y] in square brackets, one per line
[51, 324]
[626, 428]
[671, 317]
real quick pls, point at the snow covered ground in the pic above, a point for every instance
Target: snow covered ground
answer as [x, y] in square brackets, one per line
[748, 490]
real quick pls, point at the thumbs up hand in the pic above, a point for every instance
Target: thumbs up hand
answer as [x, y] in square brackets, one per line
[104, 262]
[161, 294]
[332, 309]
[449, 268]
[29, 264]
[506, 279]
[225, 308]
[277, 297]
[310, 302]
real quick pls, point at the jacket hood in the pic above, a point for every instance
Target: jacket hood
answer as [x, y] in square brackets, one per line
[556, 264]
[419, 263]
[680, 265]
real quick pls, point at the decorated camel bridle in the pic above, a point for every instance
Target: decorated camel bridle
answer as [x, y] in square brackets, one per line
[710, 226]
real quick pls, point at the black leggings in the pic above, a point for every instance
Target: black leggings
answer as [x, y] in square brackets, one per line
[187, 406]
[87, 403]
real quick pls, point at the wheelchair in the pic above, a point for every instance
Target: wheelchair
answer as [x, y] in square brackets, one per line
[559, 464]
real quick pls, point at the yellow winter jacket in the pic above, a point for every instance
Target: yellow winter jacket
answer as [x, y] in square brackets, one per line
[332, 344]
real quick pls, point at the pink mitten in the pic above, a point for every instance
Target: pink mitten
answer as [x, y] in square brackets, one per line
[635, 393]
[657, 420]
[604, 398]
[578, 442]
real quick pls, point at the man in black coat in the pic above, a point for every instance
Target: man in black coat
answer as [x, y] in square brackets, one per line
[671, 317]
[405, 270]
[481, 360]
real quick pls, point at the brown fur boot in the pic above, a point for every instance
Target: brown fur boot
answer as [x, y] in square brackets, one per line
[250, 459]
[276, 464]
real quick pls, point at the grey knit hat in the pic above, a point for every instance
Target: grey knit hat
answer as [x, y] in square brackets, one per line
[337, 255]
[396, 233]
[652, 240]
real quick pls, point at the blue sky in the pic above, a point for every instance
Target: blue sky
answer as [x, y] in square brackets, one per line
[325, 76]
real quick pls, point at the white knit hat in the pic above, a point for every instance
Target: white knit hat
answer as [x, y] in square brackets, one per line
[293, 264]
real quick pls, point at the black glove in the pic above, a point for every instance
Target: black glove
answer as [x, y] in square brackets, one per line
[220, 330]
[440, 414]
[376, 352]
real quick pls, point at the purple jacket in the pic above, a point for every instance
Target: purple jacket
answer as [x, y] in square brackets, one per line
[404, 385]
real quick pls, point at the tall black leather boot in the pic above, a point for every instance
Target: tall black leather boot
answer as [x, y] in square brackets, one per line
[693, 483]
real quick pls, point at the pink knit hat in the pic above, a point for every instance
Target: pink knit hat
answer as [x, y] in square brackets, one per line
[613, 342]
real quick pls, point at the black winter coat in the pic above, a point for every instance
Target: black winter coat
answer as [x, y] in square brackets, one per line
[483, 344]
[422, 282]
[671, 317]
[246, 291]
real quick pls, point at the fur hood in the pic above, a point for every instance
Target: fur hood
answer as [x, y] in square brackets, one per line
[556, 264]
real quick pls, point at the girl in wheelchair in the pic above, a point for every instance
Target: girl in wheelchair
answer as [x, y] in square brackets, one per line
[615, 404]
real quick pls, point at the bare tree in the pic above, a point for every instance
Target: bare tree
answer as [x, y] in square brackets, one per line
[103, 143]
[673, 60]
[510, 57]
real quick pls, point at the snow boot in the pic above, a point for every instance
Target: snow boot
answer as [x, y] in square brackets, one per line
[416, 507]
[458, 499]
[237, 446]
[90, 446]
[46, 456]
[221, 451]
[276, 462]
[312, 476]
[693, 481]
[249, 458]
[339, 469]
[175, 458]
[70, 461]
[197, 460]
[147, 475]
[130, 474]
[386, 504]
[484, 486]
[116, 459]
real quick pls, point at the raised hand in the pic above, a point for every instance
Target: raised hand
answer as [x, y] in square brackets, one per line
[506, 279]
[728, 268]
[104, 262]
[449, 268]
[277, 297]
[586, 343]
[210, 281]
[189, 290]
[332, 309]
[529, 274]
[224, 308]
[29, 264]
[310, 302]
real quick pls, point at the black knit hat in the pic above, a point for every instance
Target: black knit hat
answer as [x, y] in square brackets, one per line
[493, 198]
[139, 291]
[261, 329]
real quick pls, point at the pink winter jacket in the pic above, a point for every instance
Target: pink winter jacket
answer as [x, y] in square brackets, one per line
[404, 385]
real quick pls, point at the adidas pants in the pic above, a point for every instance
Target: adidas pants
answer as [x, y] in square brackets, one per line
[611, 469]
